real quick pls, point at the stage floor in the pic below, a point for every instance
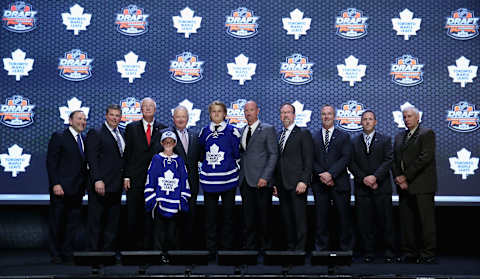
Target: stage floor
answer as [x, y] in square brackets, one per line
[26, 263]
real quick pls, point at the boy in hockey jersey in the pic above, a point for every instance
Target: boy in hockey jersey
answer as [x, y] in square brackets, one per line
[166, 193]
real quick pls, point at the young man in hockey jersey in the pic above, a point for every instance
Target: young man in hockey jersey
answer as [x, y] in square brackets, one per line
[166, 193]
[219, 175]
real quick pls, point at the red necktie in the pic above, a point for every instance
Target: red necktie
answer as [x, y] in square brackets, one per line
[149, 134]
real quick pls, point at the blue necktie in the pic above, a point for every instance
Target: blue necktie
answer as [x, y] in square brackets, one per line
[80, 146]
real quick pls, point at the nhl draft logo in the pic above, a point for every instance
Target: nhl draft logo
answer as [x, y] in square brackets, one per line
[132, 21]
[463, 117]
[186, 68]
[462, 73]
[76, 20]
[186, 23]
[73, 105]
[351, 71]
[235, 115]
[131, 68]
[131, 111]
[241, 23]
[398, 115]
[19, 17]
[17, 112]
[75, 65]
[193, 114]
[349, 116]
[241, 70]
[462, 25]
[351, 24]
[296, 25]
[463, 164]
[18, 66]
[296, 69]
[406, 25]
[15, 161]
[407, 71]
[302, 117]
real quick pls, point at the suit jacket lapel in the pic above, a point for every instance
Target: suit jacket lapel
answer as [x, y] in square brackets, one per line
[180, 144]
[74, 143]
[113, 140]
[256, 132]
[291, 136]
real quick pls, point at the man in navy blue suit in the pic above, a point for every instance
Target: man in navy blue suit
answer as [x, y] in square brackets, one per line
[67, 176]
[332, 152]
[104, 150]
[371, 162]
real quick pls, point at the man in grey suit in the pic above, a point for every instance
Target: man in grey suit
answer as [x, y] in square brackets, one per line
[259, 155]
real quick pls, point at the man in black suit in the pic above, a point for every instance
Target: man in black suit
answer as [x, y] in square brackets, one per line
[188, 148]
[415, 173]
[67, 175]
[371, 162]
[292, 177]
[331, 182]
[259, 154]
[104, 149]
[142, 141]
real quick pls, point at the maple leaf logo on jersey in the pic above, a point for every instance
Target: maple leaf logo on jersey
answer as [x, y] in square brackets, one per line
[462, 25]
[296, 69]
[20, 17]
[302, 117]
[214, 156]
[132, 21]
[131, 111]
[296, 25]
[75, 65]
[73, 104]
[76, 20]
[241, 70]
[15, 161]
[351, 24]
[463, 117]
[241, 23]
[168, 183]
[463, 164]
[186, 68]
[235, 114]
[462, 73]
[131, 68]
[351, 71]
[407, 71]
[349, 116]
[17, 112]
[186, 23]
[193, 114]
[398, 115]
[18, 66]
[406, 25]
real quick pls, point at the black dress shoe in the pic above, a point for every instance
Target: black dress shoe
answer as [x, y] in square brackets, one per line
[388, 259]
[368, 259]
[56, 260]
[407, 259]
[427, 260]
[164, 259]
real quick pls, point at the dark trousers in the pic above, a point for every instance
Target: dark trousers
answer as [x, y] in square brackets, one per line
[211, 201]
[257, 203]
[64, 222]
[103, 220]
[164, 232]
[374, 215]
[186, 223]
[417, 208]
[293, 208]
[139, 222]
[341, 202]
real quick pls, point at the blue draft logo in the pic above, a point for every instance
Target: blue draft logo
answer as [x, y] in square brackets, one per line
[131, 111]
[407, 71]
[235, 114]
[296, 69]
[75, 65]
[19, 17]
[132, 21]
[349, 116]
[186, 68]
[463, 117]
[241, 23]
[462, 25]
[17, 112]
[351, 24]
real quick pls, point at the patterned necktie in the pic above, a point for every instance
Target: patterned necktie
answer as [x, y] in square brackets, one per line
[327, 138]
[282, 139]
[367, 142]
[149, 133]
[80, 145]
[249, 135]
[119, 141]
[183, 138]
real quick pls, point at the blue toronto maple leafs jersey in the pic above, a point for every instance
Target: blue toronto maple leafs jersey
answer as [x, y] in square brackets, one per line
[166, 190]
[219, 171]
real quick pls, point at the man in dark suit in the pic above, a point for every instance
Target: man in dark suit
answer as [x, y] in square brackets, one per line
[142, 141]
[331, 182]
[292, 176]
[371, 162]
[415, 173]
[259, 154]
[67, 175]
[104, 149]
[188, 148]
